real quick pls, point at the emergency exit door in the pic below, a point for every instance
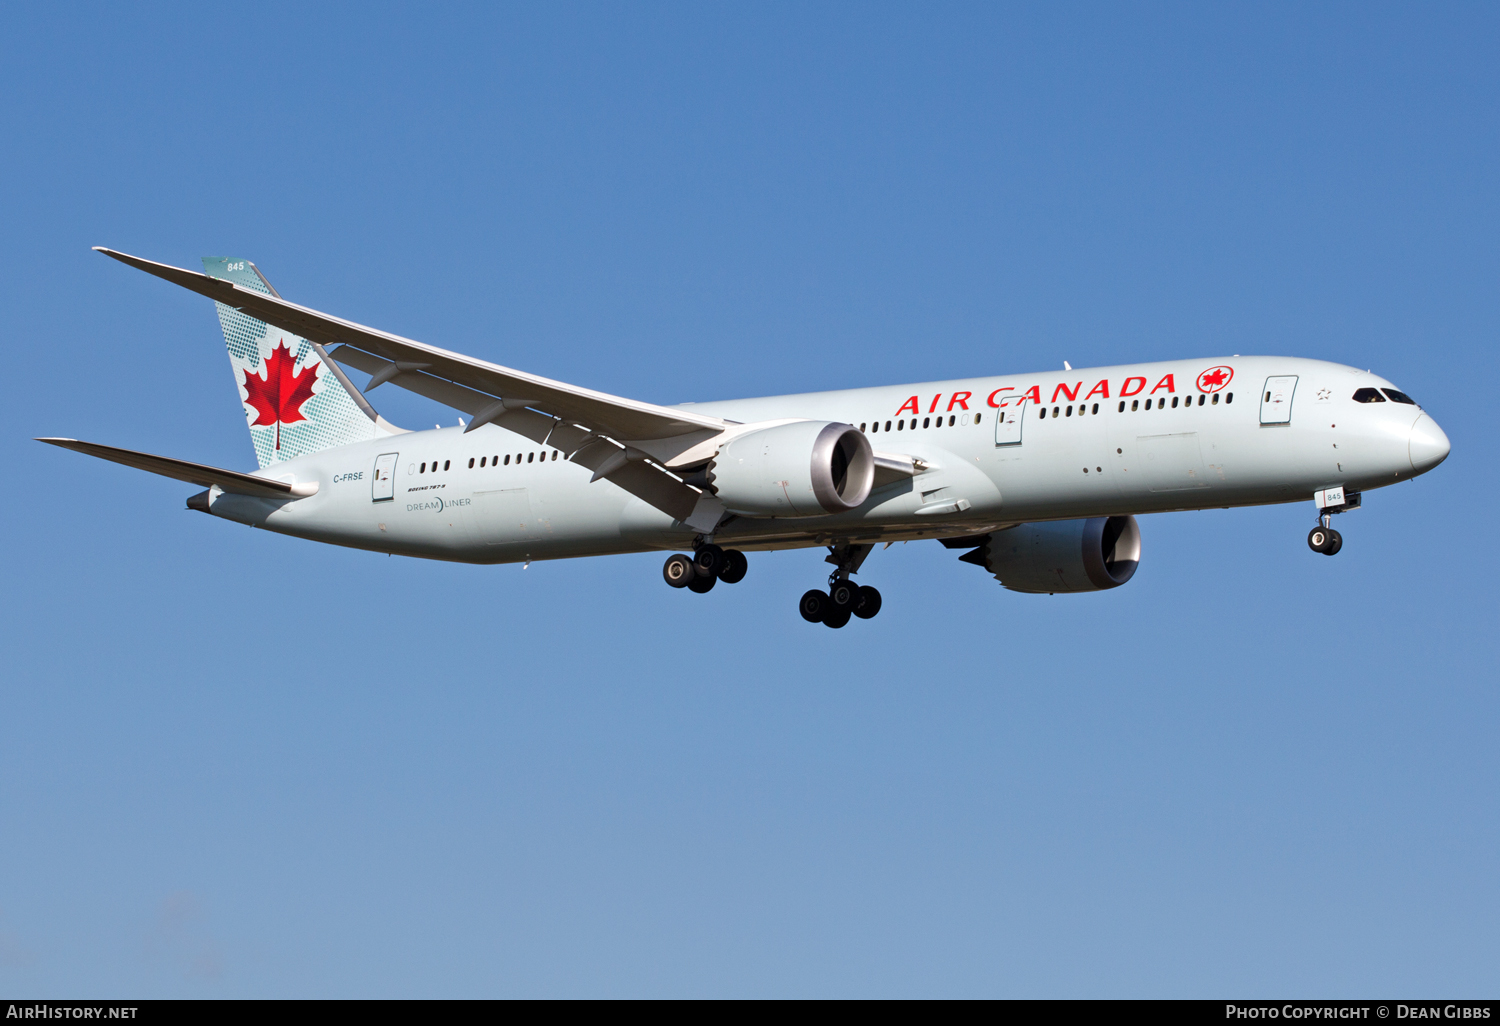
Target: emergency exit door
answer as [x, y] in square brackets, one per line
[1008, 423]
[383, 484]
[1276, 400]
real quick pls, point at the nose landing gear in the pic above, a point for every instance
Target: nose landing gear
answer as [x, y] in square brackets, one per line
[1325, 539]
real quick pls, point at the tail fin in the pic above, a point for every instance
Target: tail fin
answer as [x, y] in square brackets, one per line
[296, 399]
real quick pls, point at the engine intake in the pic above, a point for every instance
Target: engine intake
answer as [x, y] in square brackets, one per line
[807, 468]
[1063, 555]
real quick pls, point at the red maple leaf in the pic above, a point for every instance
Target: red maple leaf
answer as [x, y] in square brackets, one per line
[1212, 378]
[278, 397]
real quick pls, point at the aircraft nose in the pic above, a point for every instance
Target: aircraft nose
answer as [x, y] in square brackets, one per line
[1428, 445]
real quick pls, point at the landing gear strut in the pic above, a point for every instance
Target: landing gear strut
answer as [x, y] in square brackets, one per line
[708, 565]
[1324, 538]
[844, 598]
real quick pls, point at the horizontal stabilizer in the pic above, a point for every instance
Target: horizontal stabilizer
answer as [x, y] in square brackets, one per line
[192, 473]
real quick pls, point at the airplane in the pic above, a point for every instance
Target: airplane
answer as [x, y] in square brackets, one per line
[1037, 478]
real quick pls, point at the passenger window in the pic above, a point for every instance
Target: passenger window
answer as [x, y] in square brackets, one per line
[1135, 404]
[1041, 414]
[862, 427]
[976, 418]
[1366, 395]
[952, 419]
[531, 457]
[1202, 399]
[1216, 399]
[423, 470]
[1174, 402]
[481, 461]
[1399, 397]
[1096, 409]
[507, 459]
[926, 421]
[471, 463]
[914, 423]
[447, 464]
[1122, 406]
[1069, 413]
[887, 425]
[900, 425]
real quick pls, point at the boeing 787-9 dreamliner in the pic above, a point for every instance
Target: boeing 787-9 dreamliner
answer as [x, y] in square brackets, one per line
[1037, 478]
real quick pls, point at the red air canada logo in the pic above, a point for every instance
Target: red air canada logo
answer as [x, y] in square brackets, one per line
[278, 397]
[1215, 378]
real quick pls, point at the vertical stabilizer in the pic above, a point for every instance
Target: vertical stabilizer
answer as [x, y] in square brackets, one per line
[296, 400]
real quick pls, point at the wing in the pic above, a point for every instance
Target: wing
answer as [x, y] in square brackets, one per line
[192, 473]
[616, 438]
[624, 419]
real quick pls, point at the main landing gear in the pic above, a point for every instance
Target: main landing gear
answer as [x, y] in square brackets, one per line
[843, 599]
[707, 566]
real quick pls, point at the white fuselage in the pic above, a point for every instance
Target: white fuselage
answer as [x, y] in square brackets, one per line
[1066, 461]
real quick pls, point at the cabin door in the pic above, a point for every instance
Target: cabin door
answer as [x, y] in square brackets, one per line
[383, 484]
[1008, 423]
[1276, 400]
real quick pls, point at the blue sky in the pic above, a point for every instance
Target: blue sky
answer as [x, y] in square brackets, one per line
[233, 763]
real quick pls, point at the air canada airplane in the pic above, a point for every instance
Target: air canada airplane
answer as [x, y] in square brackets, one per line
[1037, 478]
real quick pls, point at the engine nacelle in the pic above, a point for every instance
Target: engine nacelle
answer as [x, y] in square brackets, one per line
[1065, 555]
[808, 468]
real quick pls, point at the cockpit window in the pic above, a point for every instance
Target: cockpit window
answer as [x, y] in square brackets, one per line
[1368, 395]
[1399, 397]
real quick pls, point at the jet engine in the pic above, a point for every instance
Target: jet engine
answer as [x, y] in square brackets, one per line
[807, 468]
[1062, 555]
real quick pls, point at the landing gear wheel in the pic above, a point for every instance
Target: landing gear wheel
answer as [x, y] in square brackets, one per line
[1335, 542]
[843, 596]
[836, 618]
[1319, 537]
[709, 560]
[702, 584]
[735, 567]
[678, 571]
[868, 603]
[814, 606]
